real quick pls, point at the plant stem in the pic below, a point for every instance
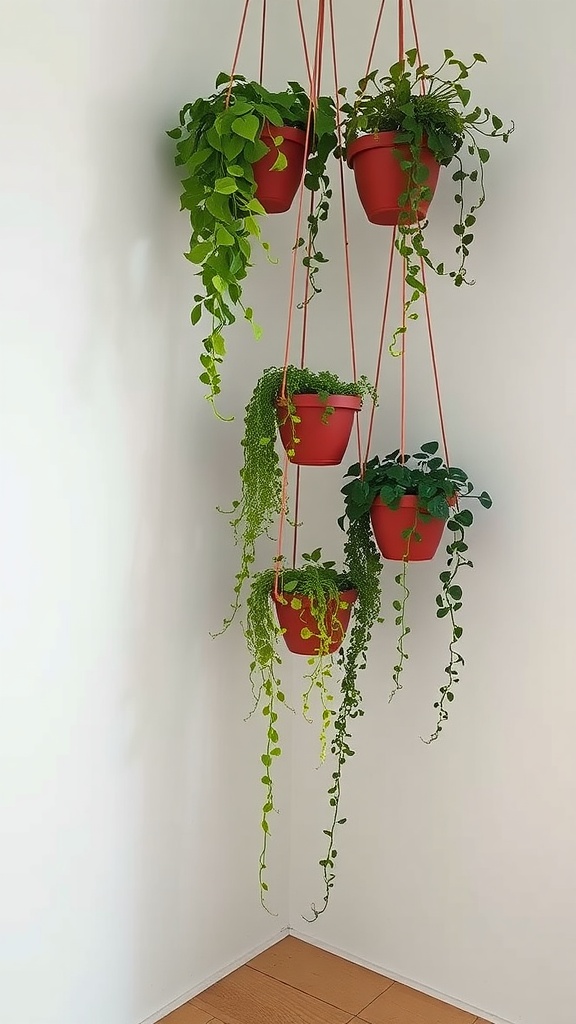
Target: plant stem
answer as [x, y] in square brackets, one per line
[270, 688]
[321, 671]
[449, 602]
[364, 565]
[400, 607]
[349, 708]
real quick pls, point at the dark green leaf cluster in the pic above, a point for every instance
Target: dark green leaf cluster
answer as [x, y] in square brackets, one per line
[432, 108]
[302, 381]
[258, 508]
[424, 117]
[217, 142]
[425, 474]
[438, 488]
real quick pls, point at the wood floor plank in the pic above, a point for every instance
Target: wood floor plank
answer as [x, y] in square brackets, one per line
[321, 974]
[188, 1014]
[249, 997]
[402, 1005]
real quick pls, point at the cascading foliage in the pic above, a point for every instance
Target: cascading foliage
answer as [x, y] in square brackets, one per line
[322, 584]
[439, 488]
[433, 108]
[364, 565]
[218, 139]
[259, 506]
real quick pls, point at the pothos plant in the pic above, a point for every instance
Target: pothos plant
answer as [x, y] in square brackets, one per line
[438, 488]
[217, 142]
[255, 512]
[322, 584]
[433, 108]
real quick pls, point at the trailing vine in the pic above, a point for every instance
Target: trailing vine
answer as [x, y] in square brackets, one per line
[399, 606]
[320, 583]
[449, 601]
[364, 566]
[259, 505]
[438, 488]
[431, 108]
[323, 586]
[320, 676]
[316, 180]
[262, 632]
[218, 139]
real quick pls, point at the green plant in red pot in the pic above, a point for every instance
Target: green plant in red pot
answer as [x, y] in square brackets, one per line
[313, 605]
[410, 500]
[400, 129]
[315, 418]
[243, 152]
[308, 611]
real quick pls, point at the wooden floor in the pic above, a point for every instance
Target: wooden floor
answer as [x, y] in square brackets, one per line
[296, 983]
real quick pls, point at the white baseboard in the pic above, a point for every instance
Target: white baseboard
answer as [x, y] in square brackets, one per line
[186, 996]
[202, 985]
[397, 977]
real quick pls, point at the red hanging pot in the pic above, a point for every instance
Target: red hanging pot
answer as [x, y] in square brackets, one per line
[381, 181]
[276, 189]
[318, 439]
[389, 524]
[296, 620]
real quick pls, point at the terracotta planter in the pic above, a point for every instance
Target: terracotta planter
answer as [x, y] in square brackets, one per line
[389, 524]
[276, 189]
[314, 442]
[380, 180]
[294, 620]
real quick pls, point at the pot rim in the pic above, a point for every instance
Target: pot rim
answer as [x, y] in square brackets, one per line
[373, 140]
[287, 131]
[347, 595]
[409, 501]
[315, 402]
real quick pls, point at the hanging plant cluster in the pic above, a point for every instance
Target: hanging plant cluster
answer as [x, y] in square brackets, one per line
[400, 130]
[410, 500]
[243, 151]
[312, 413]
[246, 153]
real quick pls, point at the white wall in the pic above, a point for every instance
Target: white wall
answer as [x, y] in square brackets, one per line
[129, 781]
[456, 867]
